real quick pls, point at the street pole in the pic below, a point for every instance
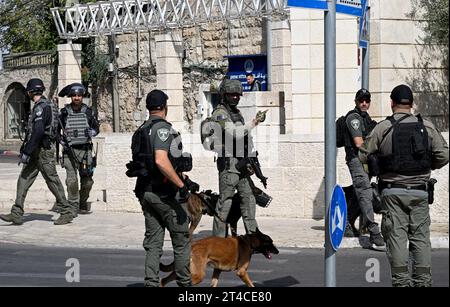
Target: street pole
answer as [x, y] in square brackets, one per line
[330, 134]
[365, 58]
[115, 90]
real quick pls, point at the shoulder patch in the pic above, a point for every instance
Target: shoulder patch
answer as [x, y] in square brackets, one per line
[355, 124]
[38, 111]
[163, 134]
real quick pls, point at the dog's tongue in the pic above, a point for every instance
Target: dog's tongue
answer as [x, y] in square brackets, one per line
[269, 256]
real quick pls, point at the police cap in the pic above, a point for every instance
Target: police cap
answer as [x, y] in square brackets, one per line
[362, 95]
[156, 100]
[402, 94]
[35, 85]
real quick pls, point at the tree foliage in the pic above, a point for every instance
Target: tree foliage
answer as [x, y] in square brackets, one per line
[27, 25]
[435, 17]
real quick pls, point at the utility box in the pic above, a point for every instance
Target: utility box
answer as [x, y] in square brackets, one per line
[241, 65]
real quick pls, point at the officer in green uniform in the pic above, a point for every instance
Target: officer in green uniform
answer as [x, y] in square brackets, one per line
[79, 127]
[38, 155]
[163, 195]
[359, 125]
[236, 144]
[402, 150]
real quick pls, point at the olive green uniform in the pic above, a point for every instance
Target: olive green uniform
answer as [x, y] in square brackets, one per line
[78, 197]
[42, 159]
[162, 211]
[405, 206]
[79, 156]
[236, 143]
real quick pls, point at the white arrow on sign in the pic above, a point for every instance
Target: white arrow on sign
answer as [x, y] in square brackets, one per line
[340, 220]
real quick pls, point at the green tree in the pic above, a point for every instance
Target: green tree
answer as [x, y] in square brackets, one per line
[430, 77]
[434, 18]
[27, 25]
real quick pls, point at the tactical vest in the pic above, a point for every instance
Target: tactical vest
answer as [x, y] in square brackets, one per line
[367, 126]
[50, 130]
[411, 153]
[236, 117]
[77, 126]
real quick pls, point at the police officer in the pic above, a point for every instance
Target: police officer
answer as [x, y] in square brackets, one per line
[79, 127]
[359, 125]
[37, 154]
[408, 148]
[163, 196]
[236, 145]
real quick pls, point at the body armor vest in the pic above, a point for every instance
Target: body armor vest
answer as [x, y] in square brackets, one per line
[411, 154]
[50, 130]
[238, 152]
[77, 126]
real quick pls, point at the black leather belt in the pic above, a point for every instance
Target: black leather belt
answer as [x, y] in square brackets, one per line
[386, 185]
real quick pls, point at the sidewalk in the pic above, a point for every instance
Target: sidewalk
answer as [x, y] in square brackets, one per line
[126, 231]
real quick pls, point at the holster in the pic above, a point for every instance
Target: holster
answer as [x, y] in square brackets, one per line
[372, 162]
[430, 186]
[245, 167]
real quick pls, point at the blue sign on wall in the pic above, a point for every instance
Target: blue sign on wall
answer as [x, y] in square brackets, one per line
[337, 217]
[364, 29]
[240, 65]
[349, 7]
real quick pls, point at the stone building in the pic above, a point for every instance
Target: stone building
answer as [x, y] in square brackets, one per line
[185, 63]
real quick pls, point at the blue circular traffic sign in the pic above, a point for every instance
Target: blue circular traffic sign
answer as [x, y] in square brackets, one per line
[337, 217]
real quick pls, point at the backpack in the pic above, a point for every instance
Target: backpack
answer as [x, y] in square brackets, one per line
[142, 162]
[341, 131]
[342, 135]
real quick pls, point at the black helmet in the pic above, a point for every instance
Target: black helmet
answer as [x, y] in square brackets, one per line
[77, 89]
[362, 94]
[402, 94]
[230, 87]
[35, 86]
[156, 100]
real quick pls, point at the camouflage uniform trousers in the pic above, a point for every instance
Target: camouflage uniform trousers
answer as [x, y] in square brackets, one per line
[41, 160]
[228, 183]
[406, 218]
[161, 213]
[77, 197]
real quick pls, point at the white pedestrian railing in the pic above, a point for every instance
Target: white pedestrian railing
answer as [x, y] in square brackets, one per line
[130, 16]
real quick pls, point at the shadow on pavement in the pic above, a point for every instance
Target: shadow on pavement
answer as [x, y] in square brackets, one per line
[286, 281]
[37, 217]
[321, 228]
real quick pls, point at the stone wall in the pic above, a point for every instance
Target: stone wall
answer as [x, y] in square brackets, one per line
[203, 62]
[294, 165]
[48, 74]
[398, 55]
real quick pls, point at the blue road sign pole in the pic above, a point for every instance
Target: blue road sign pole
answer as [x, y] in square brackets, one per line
[330, 134]
[365, 58]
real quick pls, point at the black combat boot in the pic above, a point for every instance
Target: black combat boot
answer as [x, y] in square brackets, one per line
[377, 239]
[16, 220]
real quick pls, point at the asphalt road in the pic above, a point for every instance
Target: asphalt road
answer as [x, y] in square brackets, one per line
[26, 265]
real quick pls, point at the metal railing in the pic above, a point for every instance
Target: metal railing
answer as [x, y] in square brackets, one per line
[28, 59]
[129, 16]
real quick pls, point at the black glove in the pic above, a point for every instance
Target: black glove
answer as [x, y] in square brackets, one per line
[183, 194]
[192, 186]
[24, 158]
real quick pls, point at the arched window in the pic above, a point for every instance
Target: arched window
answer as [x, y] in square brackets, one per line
[17, 110]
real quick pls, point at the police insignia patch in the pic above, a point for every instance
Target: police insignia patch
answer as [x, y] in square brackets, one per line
[221, 117]
[39, 113]
[163, 134]
[355, 124]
